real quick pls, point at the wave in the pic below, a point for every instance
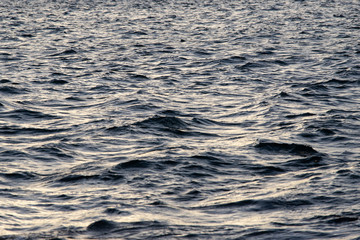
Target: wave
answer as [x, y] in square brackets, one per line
[260, 204]
[26, 115]
[169, 124]
[13, 90]
[268, 146]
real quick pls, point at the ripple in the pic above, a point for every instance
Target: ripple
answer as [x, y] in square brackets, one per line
[65, 52]
[24, 114]
[19, 176]
[285, 148]
[167, 122]
[101, 226]
[262, 205]
[134, 164]
[18, 130]
[139, 119]
[12, 90]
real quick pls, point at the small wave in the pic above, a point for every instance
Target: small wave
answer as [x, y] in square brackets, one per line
[66, 52]
[232, 59]
[167, 121]
[262, 205]
[53, 150]
[8, 59]
[197, 171]
[77, 178]
[203, 121]
[27, 35]
[202, 52]
[19, 175]
[266, 52]
[117, 130]
[349, 72]
[105, 176]
[102, 226]
[135, 33]
[293, 116]
[58, 82]
[250, 65]
[13, 153]
[5, 81]
[17, 130]
[139, 77]
[5, 54]
[214, 161]
[115, 211]
[134, 164]
[303, 163]
[265, 170]
[326, 131]
[24, 114]
[172, 113]
[170, 124]
[343, 218]
[12, 90]
[143, 107]
[285, 148]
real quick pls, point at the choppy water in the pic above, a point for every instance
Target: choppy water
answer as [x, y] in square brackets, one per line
[179, 119]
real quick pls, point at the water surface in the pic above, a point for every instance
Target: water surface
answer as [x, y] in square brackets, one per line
[179, 119]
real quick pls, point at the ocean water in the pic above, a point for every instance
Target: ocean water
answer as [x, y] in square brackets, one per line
[179, 119]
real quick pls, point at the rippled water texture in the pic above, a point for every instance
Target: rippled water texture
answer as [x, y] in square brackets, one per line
[179, 119]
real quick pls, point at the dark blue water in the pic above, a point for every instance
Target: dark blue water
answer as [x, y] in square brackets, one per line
[179, 119]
